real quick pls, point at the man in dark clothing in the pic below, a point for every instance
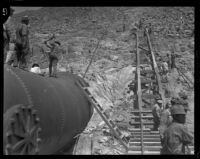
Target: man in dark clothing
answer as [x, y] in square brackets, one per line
[173, 61]
[156, 111]
[176, 136]
[169, 61]
[22, 41]
[53, 57]
[183, 101]
[9, 39]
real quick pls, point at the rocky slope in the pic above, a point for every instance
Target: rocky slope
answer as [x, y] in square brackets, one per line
[81, 28]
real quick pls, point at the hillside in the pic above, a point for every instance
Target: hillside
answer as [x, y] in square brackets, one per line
[81, 28]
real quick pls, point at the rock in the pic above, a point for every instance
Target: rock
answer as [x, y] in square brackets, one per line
[89, 129]
[101, 124]
[103, 139]
[114, 58]
[117, 152]
[97, 151]
[125, 134]
[182, 49]
[106, 132]
[107, 151]
[177, 47]
[119, 118]
[191, 44]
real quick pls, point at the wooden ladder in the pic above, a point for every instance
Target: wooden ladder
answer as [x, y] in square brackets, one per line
[104, 116]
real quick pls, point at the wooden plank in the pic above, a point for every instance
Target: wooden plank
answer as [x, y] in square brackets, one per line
[144, 123]
[150, 133]
[131, 129]
[139, 92]
[143, 117]
[146, 143]
[148, 148]
[144, 153]
[84, 145]
[146, 136]
[155, 68]
[145, 139]
[103, 115]
[142, 111]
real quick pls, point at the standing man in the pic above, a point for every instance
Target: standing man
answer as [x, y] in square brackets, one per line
[173, 60]
[156, 114]
[176, 136]
[22, 42]
[9, 39]
[165, 120]
[165, 68]
[53, 55]
[169, 61]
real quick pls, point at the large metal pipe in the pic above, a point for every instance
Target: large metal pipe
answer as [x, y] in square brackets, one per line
[62, 107]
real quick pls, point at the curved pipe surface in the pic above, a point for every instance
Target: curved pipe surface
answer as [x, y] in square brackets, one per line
[62, 107]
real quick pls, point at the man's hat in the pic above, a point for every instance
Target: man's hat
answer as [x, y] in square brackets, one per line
[25, 18]
[178, 109]
[159, 101]
[175, 100]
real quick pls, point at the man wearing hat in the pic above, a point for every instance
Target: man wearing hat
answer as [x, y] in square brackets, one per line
[22, 41]
[9, 39]
[165, 119]
[52, 54]
[156, 114]
[176, 136]
[181, 101]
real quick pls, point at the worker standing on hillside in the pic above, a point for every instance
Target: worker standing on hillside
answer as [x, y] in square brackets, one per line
[156, 114]
[176, 137]
[9, 39]
[22, 42]
[52, 54]
[173, 60]
[169, 61]
[165, 119]
[165, 68]
[183, 100]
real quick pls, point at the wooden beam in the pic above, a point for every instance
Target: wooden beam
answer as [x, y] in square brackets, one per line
[155, 68]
